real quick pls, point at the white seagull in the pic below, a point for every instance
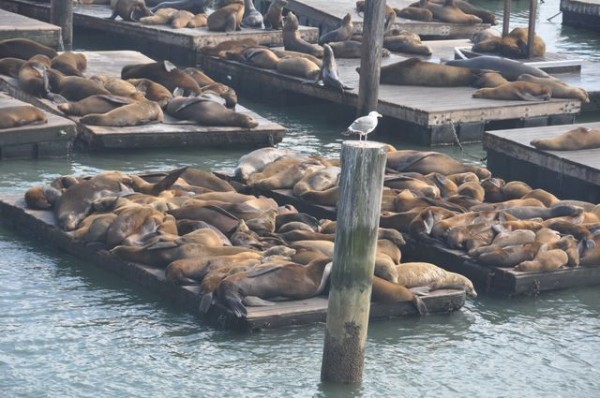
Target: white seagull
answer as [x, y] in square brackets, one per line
[363, 125]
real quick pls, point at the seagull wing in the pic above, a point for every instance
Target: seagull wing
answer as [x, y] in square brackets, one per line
[364, 124]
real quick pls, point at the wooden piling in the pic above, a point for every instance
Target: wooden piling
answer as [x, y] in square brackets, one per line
[61, 14]
[506, 17]
[531, 29]
[361, 186]
[370, 60]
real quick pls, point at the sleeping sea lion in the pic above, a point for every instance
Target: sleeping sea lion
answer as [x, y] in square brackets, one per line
[165, 73]
[571, 140]
[515, 91]
[559, 89]
[449, 12]
[10, 66]
[428, 162]
[418, 274]
[509, 68]
[152, 90]
[134, 114]
[94, 104]
[24, 49]
[21, 115]
[70, 63]
[207, 112]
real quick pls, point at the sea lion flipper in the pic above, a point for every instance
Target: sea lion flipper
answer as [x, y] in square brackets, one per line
[168, 65]
[254, 301]
[168, 181]
[421, 290]
[263, 270]
[205, 302]
[113, 15]
[420, 306]
[162, 245]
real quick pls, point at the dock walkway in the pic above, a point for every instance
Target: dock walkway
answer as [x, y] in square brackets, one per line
[42, 225]
[422, 115]
[567, 174]
[160, 41]
[581, 13]
[328, 14]
[15, 26]
[53, 138]
[172, 132]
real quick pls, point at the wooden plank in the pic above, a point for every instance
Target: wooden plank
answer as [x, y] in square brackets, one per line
[327, 15]
[42, 225]
[36, 140]
[505, 281]
[13, 26]
[172, 132]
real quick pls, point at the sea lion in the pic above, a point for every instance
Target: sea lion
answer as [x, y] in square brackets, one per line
[33, 79]
[273, 18]
[195, 6]
[70, 63]
[289, 280]
[509, 68]
[152, 91]
[319, 187]
[415, 13]
[252, 18]
[160, 17]
[559, 89]
[94, 104]
[329, 72]
[289, 176]
[544, 261]
[21, 115]
[472, 189]
[165, 73]
[571, 140]
[224, 221]
[192, 270]
[258, 159]
[421, 274]
[135, 114]
[515, 190]
[490, 79]
[429, 162]
[421, 225]
[119, 87]
[207, 112]
[387, 292]
[485, 35]
[181, 19]
[41, 197]
[299, 67]
[346, 49]
[292, 40]
[227, 18]
[130, 10]
[406, 42]
[515, 44]
[24, 49]
[416, 72]
[520, 90]
[229, 46]
[449, 12]
[74, 88]
[10, 66]
[342, 33]
[261, 57]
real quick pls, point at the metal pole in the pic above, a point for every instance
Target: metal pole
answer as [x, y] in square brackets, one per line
[531, 32]
[370, 60]
[61, 14]
[506, 17]
[361, 188]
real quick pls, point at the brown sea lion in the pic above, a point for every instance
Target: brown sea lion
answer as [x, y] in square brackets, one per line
[181, 19]
[152, 90]
[229, 46]
[94, 104]
[41, 197]
[227, 18]
[490, 79]
[224, 91]
[319, 187]
[33, 79]
[120, 87]
[429, 162]
[544, 261]
[571, 140]
[449, 12]
[192, 270]
[509, 256]
[547, 198]
[505, 238]
[24, 49]
[200, 77]
[289, 280]
[519, 90]
[514, 45]
[472, 189]
[469, 237]
[74, 88]
[273, 18]
[130, 10]
[421, 274]
[10, 66]
[384, 291]
[346, 49]
[342, 33]
[515, 190]
[165, 73]
[21, 115]
[406, 42]
[295, 54]
[135, 114]
[591, 252]
[160, 17]
[70, 63]
[416, 72]
[415, 13]
[299, 67]
[261, 57]
[559, 89]
[224, 221]
[292, 40]
[415, 182]
[217, 185]
[207, 112]
[421, 226]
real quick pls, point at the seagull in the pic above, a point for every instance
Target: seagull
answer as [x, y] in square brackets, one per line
[363, 125]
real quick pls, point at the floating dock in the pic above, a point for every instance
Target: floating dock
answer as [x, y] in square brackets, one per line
[422, 115]
[41, 225]
[567, 174]
[327, 15]
[581, 13]
[496, 280]
[15, 26]
[159, 41]
[172, 132]
[33, 141]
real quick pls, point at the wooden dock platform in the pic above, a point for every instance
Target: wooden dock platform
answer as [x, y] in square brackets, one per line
[567, 174]
[160, 41]
[422, 115]
[581, 13]
[41, 225]
[53, 138]
[15, 26]
[327, 15]
[494, 280]
[172, 132]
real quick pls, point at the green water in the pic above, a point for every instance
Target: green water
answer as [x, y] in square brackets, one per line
[69, 329]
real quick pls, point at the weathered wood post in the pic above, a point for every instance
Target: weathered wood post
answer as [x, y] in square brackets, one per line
[506, 17]
[531, 31]
[370, 59]
[61, 14]
[361, 187]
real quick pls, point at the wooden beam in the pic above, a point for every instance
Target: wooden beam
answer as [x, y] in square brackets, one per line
[61, 14]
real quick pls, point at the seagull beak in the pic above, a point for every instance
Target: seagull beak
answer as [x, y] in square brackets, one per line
[379, 115]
